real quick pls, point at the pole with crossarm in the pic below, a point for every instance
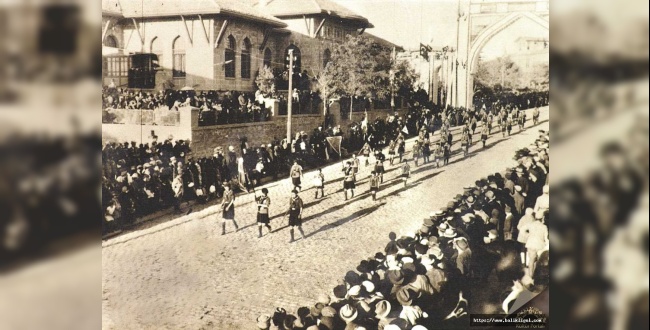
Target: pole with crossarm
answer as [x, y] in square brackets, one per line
[290, 96]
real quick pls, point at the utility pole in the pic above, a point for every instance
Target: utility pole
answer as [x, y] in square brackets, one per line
[290, 96]
[457, 53]
[392, 79]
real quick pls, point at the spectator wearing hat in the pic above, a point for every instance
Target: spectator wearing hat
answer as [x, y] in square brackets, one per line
[228, 208]
[385, 314]
[463, 256]
[411, 313]
[263, 204]
[519, 200]
[522, 228]
[537, 242]
[263, 322]
[542, 202]
[508, 225]
[349, 314]
[295, 210]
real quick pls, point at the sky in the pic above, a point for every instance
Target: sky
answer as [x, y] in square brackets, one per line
[409, 22]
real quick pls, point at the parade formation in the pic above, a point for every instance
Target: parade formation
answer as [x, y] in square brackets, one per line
[250, 161]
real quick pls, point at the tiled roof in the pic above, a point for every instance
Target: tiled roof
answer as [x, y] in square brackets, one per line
[165, 8]
[290, 8]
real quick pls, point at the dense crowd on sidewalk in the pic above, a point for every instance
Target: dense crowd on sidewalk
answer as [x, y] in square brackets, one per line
[492, 234]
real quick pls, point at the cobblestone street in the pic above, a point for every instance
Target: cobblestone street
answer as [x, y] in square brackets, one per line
[182, 274]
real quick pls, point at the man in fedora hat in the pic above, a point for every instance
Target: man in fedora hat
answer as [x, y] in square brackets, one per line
[263, 203]
[295, 215]
[263, 322]
[348, 314]
[463, 256]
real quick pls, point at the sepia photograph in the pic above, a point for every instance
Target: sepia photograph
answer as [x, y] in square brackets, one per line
[325, 164]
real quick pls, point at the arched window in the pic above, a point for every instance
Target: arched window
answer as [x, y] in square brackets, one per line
[327, 57]
[296, 58]
[157, 48]
[268, 57]
[246, 59]
[110, 41]
[178, 49]
[229, 57]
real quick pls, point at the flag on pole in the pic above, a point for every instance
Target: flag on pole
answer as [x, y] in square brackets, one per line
[424, 51]
[405, 130]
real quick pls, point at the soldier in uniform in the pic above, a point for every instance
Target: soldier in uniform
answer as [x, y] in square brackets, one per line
[355, 164]
[379, 166]
[535, 116]
[446, 153]
[263, 203]
[416, 152]
[319, 183]
[348, 180]
[406, 172]
[464, 141]
[295, 214]
[228, 208]
[401, 148]
[374, 185]
[484, 135]
[296, 175]
[391, 151]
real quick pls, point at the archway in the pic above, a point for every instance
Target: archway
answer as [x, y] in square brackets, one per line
[517, 23]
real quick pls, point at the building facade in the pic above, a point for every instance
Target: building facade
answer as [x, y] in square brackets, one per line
[222, 44]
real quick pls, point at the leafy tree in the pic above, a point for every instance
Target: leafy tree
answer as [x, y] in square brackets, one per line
[500, 71]
[326, 84]
[405, 78]
[265, 81]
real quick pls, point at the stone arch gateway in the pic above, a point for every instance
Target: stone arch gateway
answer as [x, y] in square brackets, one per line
[481, 21]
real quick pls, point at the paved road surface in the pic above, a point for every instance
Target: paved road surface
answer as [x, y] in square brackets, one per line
[182, 274]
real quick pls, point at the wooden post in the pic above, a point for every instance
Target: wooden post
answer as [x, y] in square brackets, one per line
[290, 96]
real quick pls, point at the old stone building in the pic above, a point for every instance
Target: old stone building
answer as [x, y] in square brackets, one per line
[222, 44]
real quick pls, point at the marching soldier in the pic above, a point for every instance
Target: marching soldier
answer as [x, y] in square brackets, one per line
[295, 215]
[374, 185]
[416, 152]
[348, 180]
[263, 203]
[536, 116]
[228, 208]
[464, 141]
[484, 135]
[406, 172]
[296, 175]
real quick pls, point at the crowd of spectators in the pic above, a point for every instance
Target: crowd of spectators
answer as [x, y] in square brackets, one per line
[216, 107]
[138, 178]
[484, 239]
